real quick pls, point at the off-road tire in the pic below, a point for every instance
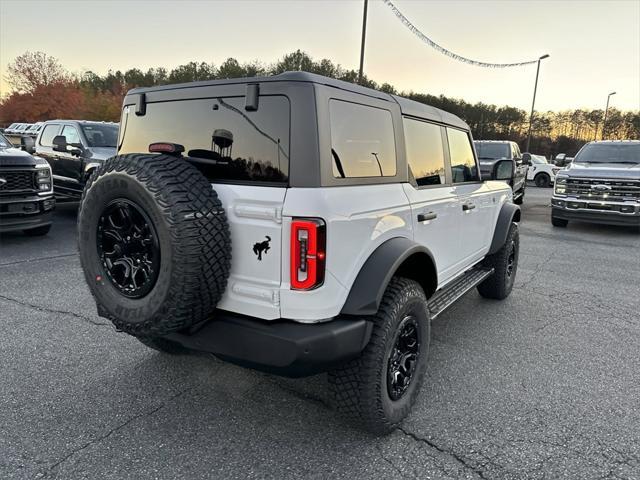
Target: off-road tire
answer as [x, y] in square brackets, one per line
[192, 235]
[359, 388]
[498, 286]
[559, 222]
[38, 231]
[163, 345]
[542, 180]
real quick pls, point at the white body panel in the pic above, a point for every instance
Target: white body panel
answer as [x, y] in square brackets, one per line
[358, 220]
[253, 213]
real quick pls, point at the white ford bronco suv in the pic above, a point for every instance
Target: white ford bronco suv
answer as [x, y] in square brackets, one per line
[295, 224]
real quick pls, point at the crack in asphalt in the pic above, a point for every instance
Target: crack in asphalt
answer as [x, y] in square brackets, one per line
[50, 471]
[39, 259]
[53, 311]
[460, 460]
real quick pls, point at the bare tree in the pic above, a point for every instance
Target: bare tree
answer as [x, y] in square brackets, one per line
[35, 69]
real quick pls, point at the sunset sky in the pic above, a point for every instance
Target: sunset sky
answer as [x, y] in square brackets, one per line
[594, 45]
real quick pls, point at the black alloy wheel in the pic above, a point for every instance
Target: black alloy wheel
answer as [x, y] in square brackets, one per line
[403, 358]
[128, 247]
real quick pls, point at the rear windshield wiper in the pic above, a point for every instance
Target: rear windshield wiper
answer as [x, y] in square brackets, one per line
[338, 163]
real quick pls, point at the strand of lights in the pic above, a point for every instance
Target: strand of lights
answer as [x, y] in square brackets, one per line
[446, 52]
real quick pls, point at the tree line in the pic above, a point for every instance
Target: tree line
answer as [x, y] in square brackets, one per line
[43, 89]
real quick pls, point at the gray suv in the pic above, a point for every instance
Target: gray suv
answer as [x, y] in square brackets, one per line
[74, 148]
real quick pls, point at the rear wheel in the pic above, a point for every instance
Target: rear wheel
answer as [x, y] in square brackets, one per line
[542, 180]
[519, 200]
[378, 389]
[505, 264]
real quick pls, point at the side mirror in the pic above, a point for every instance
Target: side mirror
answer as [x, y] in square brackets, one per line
[526, 158]
[503, 170]
[59, 143]
[28, 144]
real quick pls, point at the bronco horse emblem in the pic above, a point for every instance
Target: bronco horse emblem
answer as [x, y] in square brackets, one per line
[262, 247]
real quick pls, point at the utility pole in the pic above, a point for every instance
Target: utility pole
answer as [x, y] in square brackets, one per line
[364, 35]
[533, 104]
[606, 111]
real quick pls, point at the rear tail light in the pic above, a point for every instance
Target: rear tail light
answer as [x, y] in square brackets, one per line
[308, 255]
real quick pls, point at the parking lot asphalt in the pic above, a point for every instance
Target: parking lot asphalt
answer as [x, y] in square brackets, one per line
[545, 384]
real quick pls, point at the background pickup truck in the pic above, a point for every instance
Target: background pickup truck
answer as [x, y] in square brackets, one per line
[74, 149]
[491, 151]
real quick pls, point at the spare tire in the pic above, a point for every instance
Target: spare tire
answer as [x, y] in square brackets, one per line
[154, 243]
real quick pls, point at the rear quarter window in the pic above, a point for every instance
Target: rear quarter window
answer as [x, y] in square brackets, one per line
[48, 134]
[362, 141]
[227, 142]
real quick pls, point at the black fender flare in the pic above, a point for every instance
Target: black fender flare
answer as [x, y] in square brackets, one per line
[374, 276]
[509, 213]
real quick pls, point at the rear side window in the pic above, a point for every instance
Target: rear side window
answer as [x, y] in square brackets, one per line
[71, 134]
[424, 152]
[463, 165]
[48, 134]
[227, 142]
[362, 141]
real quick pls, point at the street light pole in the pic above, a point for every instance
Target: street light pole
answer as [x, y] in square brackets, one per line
[606, 111]
[533, 103]
[364, 34]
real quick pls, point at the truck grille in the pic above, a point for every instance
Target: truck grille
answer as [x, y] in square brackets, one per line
[17, 181]
[611, 190]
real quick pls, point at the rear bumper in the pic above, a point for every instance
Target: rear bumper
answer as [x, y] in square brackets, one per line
[282, 347]
[24, 213]
[594, 212]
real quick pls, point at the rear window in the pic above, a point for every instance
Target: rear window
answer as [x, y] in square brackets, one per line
[609, 153]
[492, 151]
[362, 141]
[100, 135]
[47, 136]
[226, 141]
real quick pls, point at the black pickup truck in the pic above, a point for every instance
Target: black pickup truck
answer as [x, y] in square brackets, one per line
[74, 149]
[26, 191]
[491, 151]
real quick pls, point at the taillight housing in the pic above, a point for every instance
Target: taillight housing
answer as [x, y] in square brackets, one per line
[308, 254]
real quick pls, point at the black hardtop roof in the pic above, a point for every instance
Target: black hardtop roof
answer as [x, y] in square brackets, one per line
[408, 107]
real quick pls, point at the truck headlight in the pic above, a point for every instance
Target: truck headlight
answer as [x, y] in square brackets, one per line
[561, 185]
[43, 179]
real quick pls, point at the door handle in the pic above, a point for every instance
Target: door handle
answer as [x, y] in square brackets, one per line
[423, 217]
[468, 206]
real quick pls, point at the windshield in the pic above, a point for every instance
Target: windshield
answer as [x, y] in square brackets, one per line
[538, 159]
[4, 143]
[101, 134]
[609, 153]
[492, 151]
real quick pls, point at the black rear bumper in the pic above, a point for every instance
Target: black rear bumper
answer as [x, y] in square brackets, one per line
[282, 347]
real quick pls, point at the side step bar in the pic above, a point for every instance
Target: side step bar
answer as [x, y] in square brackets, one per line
[448, 295]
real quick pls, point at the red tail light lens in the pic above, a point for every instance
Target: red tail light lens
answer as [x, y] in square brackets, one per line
[308, 240]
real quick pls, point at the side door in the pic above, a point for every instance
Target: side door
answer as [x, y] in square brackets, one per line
[520, 177]
[477, 204]
[70, 164]
[434, 205]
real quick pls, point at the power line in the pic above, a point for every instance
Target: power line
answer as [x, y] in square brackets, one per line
[446, 52]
